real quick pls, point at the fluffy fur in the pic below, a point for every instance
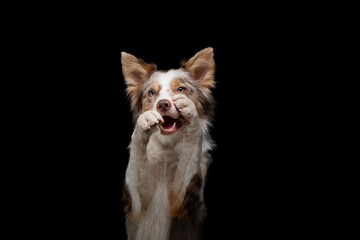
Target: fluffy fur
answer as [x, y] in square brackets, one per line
[169, 149]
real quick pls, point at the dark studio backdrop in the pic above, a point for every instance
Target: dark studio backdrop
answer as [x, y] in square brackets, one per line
[251, 186]
[248, 189]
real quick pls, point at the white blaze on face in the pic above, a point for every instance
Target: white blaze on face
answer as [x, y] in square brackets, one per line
[164, 80]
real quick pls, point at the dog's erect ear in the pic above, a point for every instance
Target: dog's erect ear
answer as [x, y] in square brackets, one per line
[136, 72]
[201, 67]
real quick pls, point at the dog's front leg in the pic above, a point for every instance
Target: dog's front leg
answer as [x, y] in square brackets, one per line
[190, 155]
[146, 125]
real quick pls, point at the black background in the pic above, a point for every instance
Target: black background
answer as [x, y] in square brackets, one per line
[250, 187]
[253, 185]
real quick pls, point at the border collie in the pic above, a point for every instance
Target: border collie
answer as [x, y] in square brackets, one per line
[170, 147]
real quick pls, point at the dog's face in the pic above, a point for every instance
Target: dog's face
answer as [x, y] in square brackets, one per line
[150, 89]
[158, 95]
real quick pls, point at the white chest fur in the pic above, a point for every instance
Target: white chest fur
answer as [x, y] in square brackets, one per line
[162, 155]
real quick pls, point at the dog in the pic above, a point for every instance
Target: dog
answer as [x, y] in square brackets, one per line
[170, 148]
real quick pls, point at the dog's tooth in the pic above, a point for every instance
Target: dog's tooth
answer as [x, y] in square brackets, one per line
[173, 125]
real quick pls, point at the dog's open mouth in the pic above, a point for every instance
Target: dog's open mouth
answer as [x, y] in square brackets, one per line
[169, 125]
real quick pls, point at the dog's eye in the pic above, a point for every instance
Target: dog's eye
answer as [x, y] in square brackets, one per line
[151, 92]
[181, 89]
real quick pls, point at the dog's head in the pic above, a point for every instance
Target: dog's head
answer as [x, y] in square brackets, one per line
[152, 89]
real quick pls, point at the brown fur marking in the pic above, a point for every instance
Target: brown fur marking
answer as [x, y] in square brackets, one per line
[175, 83]
[191, 200]
[148, 101]
[126, 199]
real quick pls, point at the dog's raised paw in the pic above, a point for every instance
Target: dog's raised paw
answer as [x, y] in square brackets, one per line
[149, 120]
[187, 107]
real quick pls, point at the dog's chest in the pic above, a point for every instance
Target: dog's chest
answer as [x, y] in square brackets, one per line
[162, 158]
[158, 153]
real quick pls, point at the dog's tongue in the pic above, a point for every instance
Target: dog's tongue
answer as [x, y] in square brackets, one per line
[168, 122]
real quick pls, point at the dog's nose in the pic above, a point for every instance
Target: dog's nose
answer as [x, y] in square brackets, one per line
[163, 105]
